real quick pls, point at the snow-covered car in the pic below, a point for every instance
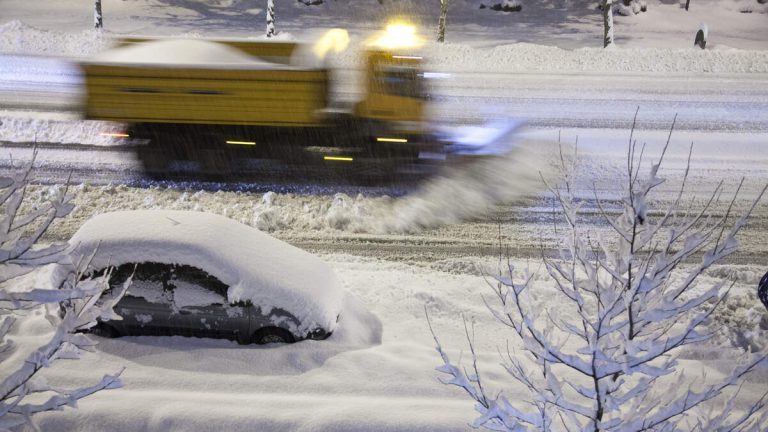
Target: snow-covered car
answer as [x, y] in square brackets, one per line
[200, 274]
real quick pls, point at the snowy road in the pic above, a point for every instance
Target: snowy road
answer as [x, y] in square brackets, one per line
[724, 115]
[446, 218]
[707, 102]
[735, 103]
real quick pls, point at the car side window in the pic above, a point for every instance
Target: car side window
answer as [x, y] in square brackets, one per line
[178, 285]
[151, 281]
[195, 276]
[194, 287]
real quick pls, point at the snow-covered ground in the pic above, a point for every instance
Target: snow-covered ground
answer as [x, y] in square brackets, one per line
[374, 373]
[563, 23]
[377, 371]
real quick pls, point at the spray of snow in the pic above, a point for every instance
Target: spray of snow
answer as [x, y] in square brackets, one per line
[461, 192]
[469, 190]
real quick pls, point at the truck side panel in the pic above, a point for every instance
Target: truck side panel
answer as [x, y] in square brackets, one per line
[134, 94]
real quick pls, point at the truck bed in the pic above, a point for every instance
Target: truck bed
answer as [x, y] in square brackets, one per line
[248, 93]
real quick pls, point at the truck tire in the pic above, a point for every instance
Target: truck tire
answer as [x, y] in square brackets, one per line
[217, 162]
[154, 161]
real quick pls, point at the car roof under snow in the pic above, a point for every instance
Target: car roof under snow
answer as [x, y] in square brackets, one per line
[257, 267]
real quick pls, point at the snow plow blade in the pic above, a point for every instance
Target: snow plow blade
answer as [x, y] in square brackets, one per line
[491, 139]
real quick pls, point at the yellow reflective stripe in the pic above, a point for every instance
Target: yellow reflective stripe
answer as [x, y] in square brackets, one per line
[116, 135]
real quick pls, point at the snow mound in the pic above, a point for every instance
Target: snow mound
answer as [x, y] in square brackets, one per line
[741, 321]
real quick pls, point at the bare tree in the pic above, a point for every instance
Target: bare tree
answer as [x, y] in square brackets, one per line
[441, 21]
[271, 18]
[608, 360]
[69, 309]
[97, 18]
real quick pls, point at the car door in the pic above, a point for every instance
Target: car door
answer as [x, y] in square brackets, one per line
[147, 306]
[201, 303]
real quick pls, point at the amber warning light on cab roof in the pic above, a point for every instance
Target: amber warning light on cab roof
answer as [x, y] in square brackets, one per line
[396, 35]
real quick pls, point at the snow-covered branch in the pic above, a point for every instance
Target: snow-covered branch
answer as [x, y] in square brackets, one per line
[70, 308]
[634, 299]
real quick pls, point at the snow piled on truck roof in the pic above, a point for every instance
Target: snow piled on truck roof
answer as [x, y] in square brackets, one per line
[257, 267]
[182, 52]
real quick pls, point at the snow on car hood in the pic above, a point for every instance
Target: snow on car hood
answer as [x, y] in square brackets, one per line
[257, 267]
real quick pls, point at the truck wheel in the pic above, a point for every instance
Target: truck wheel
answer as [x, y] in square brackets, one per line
[273, 335]
[216, 161]
[155, 162]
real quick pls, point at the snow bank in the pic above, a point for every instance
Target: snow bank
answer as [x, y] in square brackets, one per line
[525, 57]
[19, 38]
[27, 127]
[461, 192]
[16, 37]
[257, 268]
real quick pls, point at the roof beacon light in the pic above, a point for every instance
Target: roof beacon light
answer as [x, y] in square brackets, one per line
[396, 35]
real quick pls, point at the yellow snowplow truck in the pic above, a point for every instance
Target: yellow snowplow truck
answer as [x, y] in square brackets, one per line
[213, 103]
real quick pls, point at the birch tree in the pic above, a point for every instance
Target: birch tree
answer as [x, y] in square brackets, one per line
[607, 23]
[441, 21]
[75, 306]
[608, 360]
[97, 18]
[271, 18]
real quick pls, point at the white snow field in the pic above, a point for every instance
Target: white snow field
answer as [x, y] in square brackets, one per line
[377, 371]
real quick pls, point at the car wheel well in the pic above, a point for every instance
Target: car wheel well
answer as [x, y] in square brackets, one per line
[105, 331]
[267, 335]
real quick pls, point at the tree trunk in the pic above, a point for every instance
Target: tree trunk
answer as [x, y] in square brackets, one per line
[687, 2]
[441, 23]
[607, 23]
[97, 19]
[270, 18]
